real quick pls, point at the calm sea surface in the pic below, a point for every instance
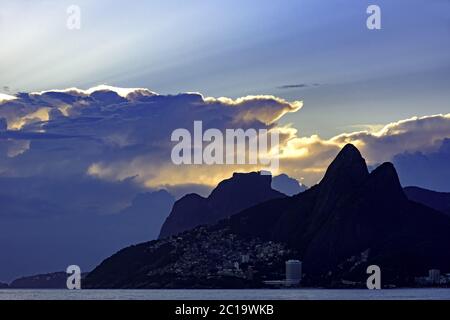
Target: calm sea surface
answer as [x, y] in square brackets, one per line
[274, 294]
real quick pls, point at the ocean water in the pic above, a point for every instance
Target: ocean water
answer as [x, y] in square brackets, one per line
[263, 294]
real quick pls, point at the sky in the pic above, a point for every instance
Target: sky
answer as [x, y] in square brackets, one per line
[86, 115]
[237, 48]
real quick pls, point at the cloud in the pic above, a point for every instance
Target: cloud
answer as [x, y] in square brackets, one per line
[89, 219]
[115, 133]
[6, 97]
[298, 86]
[123, 92]
[423, 134]
[263, 108]
[308, 157]
[120, 133]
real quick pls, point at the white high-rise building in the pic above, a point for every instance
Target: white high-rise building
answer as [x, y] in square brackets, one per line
[293, 272]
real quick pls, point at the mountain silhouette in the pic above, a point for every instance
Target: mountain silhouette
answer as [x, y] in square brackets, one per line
[231, 196]
[353, 215]
[348, 221]
[437, 200]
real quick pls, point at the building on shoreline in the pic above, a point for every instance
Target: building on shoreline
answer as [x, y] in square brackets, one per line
[293, 272]
[434, 278]
[293, 275]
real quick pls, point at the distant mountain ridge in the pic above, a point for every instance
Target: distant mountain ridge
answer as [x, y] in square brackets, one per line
[437, 200]
[350, 220]
[232, 195]
[53, 280]
[287, 185]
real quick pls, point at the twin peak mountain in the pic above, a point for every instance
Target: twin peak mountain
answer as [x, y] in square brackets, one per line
[351, 219]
